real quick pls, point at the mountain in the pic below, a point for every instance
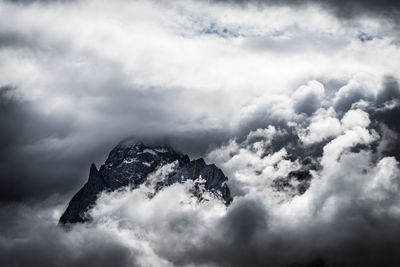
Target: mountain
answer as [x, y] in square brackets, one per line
[133, 164]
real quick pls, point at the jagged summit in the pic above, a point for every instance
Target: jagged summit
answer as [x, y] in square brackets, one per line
[130, 163]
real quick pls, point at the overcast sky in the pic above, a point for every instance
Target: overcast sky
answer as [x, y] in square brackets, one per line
[255, 87]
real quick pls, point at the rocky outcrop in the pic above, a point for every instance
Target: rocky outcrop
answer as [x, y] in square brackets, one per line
[130, 164]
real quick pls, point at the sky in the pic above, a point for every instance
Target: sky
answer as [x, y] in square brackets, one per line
[267, 90]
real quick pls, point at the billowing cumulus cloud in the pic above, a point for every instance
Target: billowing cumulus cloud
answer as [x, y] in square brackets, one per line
[347, 211]
[298, 103]
[308, 97]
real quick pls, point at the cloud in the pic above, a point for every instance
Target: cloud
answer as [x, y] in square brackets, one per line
[44, 154]
[390, 90]
[308, 97]
[324, 124]
[284, 98]
[23, 173]
[355, 118]
[33, 237]
[346, 205]
[344, 9]
[349, 206]
[361, 87]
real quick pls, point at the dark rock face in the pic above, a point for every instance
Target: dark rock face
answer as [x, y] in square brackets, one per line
[129, 164]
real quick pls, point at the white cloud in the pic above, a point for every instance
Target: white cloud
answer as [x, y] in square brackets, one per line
[354, 118]
[308, 97]
[324, 124]
[362, 86]
[334, 195]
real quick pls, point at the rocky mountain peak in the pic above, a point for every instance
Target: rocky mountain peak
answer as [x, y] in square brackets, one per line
[132, 163]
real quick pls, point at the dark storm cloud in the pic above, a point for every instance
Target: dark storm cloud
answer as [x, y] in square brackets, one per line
[241, 229]
[342, 8]
[357, 236]
[319, 246]
[9, 39]
[24, 174]
[14, 40]
[391, 90]
[387, 112]
[29, 238]
[308, 105]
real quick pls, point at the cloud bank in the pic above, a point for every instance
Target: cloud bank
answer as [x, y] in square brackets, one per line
[297, 104]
